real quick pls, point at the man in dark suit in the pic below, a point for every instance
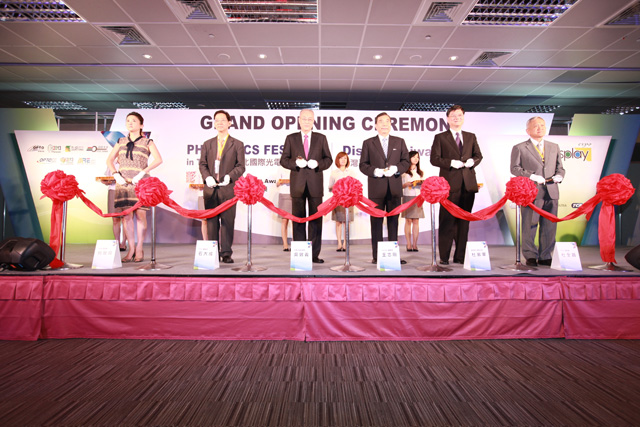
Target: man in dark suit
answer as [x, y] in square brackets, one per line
[384, 159]
[457, 154]
[539, 160]
[306, 154]
[221, 164]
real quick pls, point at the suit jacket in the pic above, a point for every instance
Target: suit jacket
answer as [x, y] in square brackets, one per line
[445, 149]
[306, 177]
[525, 161]
[372, 157]
[231, 163]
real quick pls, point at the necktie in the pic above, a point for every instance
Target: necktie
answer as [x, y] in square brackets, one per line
[385, 146]
[458, 141]
[541, 149]
[306, 146]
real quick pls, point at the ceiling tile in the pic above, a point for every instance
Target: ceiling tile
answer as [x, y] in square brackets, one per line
[540, 76]
[98, 73]
[306, 85]
[614, 77]
[394, 12]
[341, 35]
[69, 55]
[287, 73]
[148, 11]
[367, 55]
[337, 85]
[408, 73]
[337, 73]
[599, 38]
[37, 33]
[251, 55]
[137, 54]
[81, 34]
[415, 56]
[378, 73]
[210, 34]
[131, 73]
[99, 11]
[568, 58]
[236, 78]
[184, 55]
[107, 55]
[606, 58]
[473, 75]
[417, 36]
[384, 36]
[555, 38]
[200, 73]
[300, 55]
[346, 55]
[276, 35]
[222, 55]
[529, 58]
[632, 61]
[167, 34]
[491, 38]
[343, 12]
[465, 57]
[590, 13]
[30, 54]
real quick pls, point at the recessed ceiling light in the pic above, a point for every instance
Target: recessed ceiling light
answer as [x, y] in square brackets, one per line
[415, 57]
[212, 36]
[262, 56]
[146, 56]
[223, 56]
[453, 58]
[427, 37]
[376, 57]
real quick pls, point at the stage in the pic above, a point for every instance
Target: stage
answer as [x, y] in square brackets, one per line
[279, 304]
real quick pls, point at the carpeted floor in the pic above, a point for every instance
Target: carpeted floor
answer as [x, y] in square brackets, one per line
[284, 383]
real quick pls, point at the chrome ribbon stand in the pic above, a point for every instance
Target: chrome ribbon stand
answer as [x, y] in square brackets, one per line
[249, 265]
[434, 264]
[518, 266]
[63, 242]
[153, 265]
[347, 264]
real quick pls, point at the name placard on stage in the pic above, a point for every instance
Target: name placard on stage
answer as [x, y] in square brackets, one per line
[206, 257]
[106, 255]
[566, 257]
[301, 256]
[388, 256]
[476, 257]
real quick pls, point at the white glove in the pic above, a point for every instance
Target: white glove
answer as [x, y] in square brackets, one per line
[226, 180]
[312, 164]
[119, 179]
[301, 163]
[537, 179]
[557, 179]
[388, 173]
[378, 173]
[210, 182]
[456, 164]
[137, 178]
[469, 163]
[393, 169]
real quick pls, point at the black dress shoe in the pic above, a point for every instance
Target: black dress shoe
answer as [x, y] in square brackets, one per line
[531, 262]
[374, 261]
[546, 262]
[317, 260]
[444, 262]
[403, 261]
[286, 250]
[457, 261]
[227, 259]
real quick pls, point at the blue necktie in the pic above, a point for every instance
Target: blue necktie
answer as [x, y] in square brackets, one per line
[385, 146]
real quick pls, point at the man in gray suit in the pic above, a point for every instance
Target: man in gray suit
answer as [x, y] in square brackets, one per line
[539, 160]
[384, 159]
[306, 154]
[221, 164]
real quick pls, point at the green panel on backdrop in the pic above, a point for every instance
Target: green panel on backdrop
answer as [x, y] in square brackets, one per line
[13, 178]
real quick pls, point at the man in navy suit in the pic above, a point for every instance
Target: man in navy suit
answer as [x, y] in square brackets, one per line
[221, 164]
[384, 159]
[457, 154]
[306, 154]
[540, 161]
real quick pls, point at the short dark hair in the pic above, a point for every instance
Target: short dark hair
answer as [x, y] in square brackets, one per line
[341, 155]
[222, 112]
[380, 115]
[454, 108]
[138, 115]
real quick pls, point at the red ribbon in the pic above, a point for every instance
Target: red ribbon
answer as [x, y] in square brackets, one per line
[614, 189]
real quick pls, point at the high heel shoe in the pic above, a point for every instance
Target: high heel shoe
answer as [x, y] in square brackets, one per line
[128, 258]
[139, 259]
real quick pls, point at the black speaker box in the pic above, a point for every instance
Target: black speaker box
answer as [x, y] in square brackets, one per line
[25, 254]
[633, 257]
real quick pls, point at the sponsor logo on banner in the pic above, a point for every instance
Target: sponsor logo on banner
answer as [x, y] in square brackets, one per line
[576, 205]
[72, 148]
[86, 161]
[46, 160]
[54, 148]
[37, 148]
[66, 160]
[577, 153]
[97, 149]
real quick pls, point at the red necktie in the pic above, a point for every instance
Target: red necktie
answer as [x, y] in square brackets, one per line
[306, 146]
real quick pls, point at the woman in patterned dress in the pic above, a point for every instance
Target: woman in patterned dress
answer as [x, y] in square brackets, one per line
[132, 155]
[338, 215]
[411, 184]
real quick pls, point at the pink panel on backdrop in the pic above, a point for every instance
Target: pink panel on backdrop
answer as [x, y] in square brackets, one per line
[20, 307]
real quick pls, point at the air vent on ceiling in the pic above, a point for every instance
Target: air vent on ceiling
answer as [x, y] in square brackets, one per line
[56, 105]
[304, 11]
[426, 106]
[37, 11]
[542, 109]
[441, 11]
[126, 36]
[292, 105]
[630, 16]
[517, 12]
[195, 9]
[486, 59]
[160, 105]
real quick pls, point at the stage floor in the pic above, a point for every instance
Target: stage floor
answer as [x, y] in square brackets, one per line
[181, 257]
